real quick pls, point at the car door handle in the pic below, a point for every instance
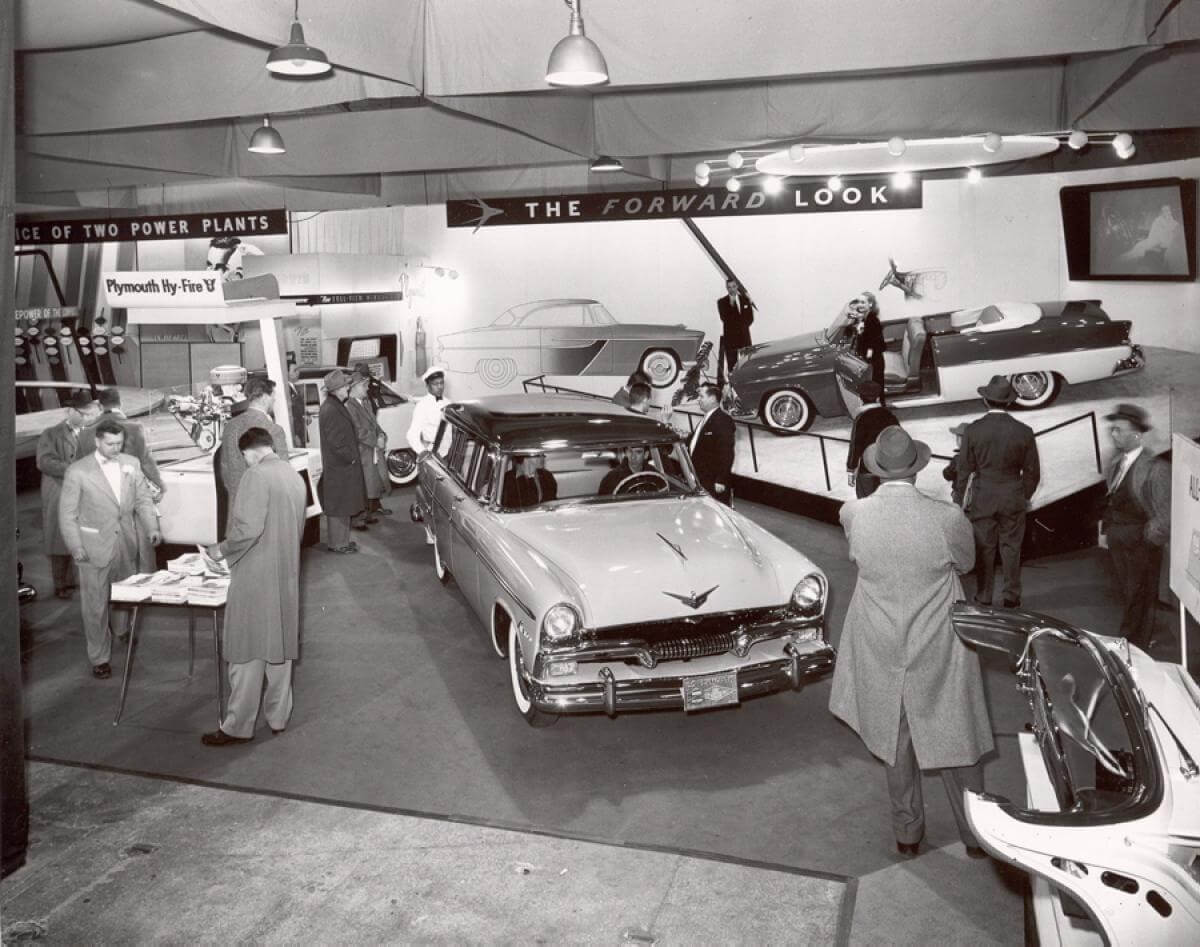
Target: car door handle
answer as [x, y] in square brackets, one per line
[440, 477]
[458, 500]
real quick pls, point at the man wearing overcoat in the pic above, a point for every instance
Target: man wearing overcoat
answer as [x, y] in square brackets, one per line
[343, 490]
[904, 681]
[1003, 455]
[57, 448]
[260, 399]
[101, 496]
[262, 610]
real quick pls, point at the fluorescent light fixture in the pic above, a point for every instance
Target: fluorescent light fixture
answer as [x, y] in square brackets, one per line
[1077, 140]
[297, 58]
[902, 180]
[733, 185]
[772, 184]
[974, 175]
[575, 59]
[896, 146]
[266, 140]
[834, 183]
[1123, 146]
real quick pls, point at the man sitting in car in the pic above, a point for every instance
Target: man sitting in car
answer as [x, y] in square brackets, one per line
[634, 460]
[528, 483]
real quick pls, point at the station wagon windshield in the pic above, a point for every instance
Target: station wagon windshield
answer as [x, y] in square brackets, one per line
[613, 474]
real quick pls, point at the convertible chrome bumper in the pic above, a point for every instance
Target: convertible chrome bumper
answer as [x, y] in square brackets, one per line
[612, 696]
[1135, 361]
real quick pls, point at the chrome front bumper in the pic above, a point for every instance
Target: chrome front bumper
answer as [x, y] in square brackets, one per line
[1136, 361]
[612, 696]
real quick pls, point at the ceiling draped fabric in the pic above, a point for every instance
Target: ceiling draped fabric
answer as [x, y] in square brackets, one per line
[436, 98]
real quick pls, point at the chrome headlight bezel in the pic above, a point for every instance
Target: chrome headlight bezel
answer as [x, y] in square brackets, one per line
[809, 596]
[561, 623]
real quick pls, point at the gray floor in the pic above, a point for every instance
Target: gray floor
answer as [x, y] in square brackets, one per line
[403, 713]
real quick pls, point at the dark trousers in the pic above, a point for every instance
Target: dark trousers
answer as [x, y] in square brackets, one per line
[62, 570]
[908, 803]
[1137, 564]
[1004, 532]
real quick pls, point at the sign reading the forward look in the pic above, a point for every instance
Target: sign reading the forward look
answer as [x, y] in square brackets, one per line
[801, 197]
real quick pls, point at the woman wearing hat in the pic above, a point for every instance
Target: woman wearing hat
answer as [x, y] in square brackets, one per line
[343, 490]
[904, 681]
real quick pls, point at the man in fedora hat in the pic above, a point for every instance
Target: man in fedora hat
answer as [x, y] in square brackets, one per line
[1002, 454]
[343, 490]
[904, 681]
[1137, 519]
[427, 411]
[870, 419]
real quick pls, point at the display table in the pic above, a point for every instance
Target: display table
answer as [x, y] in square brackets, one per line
[217, 613]
[166, 589]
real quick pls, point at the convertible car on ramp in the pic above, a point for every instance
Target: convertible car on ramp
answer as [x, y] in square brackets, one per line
[937, 358]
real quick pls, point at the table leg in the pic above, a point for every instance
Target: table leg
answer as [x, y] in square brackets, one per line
[191, 640]
[133, 621]
[220, 670]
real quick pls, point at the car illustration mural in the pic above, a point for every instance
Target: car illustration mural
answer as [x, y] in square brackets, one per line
[618, 583]
[1109, 830]
[568, 337]
[937, 358]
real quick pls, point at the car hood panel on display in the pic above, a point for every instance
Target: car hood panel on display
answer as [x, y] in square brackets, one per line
[797, 353]
[621, 556]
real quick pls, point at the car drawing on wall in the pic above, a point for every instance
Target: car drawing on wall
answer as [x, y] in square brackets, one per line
[938, 358]
[568, 337]
[392, 409]
[622, 588]
[1109, 830]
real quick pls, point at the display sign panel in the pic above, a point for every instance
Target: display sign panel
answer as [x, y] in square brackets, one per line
[798, 197]
[30, 231]
[184, 288]
[1185, 522]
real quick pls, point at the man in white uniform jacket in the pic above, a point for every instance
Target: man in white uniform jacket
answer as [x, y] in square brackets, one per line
[427, 411]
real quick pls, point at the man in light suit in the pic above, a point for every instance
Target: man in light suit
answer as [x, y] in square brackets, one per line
[101, 495]
[1003, 455]
[1137, 520]
[57, 448]
[712, 446]
[260, 399]
[904, 681]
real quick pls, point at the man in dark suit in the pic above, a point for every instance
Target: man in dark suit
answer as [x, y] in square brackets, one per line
[1002, 453]
[712, 446]
[260, 400]
[737, 313]
[343, 489]
[296, 407]
[1137, 520]
[528, 483]
[871, 418]
[57, 448]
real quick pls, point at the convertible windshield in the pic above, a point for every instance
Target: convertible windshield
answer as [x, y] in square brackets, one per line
[833, 333]
[595, 475]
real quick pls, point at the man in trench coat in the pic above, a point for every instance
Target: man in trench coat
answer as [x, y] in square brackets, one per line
[57, 448]
[343, 489]
[372, 442]
[262, 611]
[904, 681]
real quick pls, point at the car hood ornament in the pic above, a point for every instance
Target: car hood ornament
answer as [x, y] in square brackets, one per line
[695, 600]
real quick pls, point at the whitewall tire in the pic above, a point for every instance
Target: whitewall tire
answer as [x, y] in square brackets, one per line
[661, 367]
[1035, 389]
[788, 411]
[521, 696]
[402, 466]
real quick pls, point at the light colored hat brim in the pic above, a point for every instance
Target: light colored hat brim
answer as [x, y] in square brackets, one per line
[870, 461]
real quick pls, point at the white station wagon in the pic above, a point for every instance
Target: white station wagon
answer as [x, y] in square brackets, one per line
[611, 581]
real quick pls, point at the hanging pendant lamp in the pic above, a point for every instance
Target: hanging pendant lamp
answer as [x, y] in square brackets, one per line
[266, 140]
[297, 58]
[575, 59]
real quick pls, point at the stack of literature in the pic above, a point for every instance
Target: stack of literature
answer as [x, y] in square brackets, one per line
[190, 563]
[209, 591]
[136, 588]
[169, 588]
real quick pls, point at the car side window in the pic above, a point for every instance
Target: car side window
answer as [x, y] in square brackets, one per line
[463, 460]
[481, 484]
[312, 394]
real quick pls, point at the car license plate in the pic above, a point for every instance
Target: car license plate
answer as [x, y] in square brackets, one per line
[710, 690]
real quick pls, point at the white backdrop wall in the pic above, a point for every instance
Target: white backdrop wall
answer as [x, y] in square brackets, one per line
[997, 240]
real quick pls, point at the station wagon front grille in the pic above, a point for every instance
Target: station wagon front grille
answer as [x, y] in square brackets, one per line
[691, 647]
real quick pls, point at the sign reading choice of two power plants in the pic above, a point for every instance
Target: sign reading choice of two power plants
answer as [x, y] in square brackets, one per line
[801, 197]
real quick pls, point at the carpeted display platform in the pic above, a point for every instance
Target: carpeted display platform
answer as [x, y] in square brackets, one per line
[401, 704]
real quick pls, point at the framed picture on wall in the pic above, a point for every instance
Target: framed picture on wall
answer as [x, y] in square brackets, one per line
[1140, 230]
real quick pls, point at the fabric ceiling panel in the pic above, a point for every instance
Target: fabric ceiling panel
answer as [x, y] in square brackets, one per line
[57, 24]
[563, 120]
[1017, 98]
[1159, 92]
[1088, 79]
[381, 37]
[37, 174]
[172, 81]
[503, 45]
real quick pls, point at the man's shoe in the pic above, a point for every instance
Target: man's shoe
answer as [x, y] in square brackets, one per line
[986, 603]
[382, 511]
[976, 851]
[276, 732]
[361, 527]
[1011, 603]
[909, 849]
[371, 520]
[221, 738]
[102, 671]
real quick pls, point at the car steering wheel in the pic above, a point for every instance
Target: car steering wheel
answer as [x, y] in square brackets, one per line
[644, 481]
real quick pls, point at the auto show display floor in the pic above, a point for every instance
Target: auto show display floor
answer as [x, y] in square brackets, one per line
[404, 730]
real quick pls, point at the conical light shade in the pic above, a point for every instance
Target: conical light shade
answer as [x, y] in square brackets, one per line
[575, 59]
[266, 140]
[297, 58]
[605, 163]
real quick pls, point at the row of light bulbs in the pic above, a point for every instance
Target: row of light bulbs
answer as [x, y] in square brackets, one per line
[1122, 144]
